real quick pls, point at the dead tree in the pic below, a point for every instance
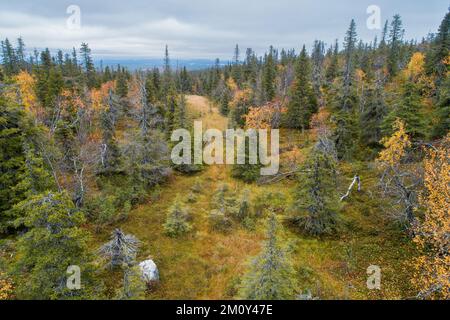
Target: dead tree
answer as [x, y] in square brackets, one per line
[120, 250]
[356, 180]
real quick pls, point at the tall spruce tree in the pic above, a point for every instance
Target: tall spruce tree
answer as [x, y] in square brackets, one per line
[88, 65]
[303, 102]
[236, 68]
[349, 47]
[373, 114]
[440, 48]
[269, 76]
[395, 42]
[20, 54]
[10, 60]
[167, 75]
[110, 152]
[410, 109]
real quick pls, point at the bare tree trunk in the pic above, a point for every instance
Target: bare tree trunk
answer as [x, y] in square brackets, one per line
[356, 179]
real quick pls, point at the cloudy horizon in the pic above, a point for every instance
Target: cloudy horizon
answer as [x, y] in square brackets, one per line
[200, 29]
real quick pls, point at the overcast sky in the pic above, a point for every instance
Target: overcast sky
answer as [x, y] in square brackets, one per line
[204, 28]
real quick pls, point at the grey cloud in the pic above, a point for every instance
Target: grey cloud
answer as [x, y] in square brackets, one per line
[204, 28]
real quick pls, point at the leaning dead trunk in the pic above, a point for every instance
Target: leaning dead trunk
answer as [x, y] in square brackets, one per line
[356, 179]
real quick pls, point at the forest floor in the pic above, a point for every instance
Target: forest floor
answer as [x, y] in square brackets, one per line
[207, 264]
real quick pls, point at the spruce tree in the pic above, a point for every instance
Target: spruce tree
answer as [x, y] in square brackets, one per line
[146, 158]
[271, 275]
[10, 60]
[110, 152]
[395, 41]
[20, 54]
[179, 115]
[303, 102]
[167, 81]
[172, 104]
[121, 85]
[333, 68]
[375, 109]
[150, 89]
[243, 211]
[248, 172]
[42, 74]
[442, 112]
[107, 76]
[184, 81]
[349, 47]
[54, 241]
[176, 222]
[440, 49]
[409, 108]
[225, 102]
[316, 201]
[384, 35]
[269, 76]
[35, 179]
[157, 83]
[88, 65]
[236, 68]
[12, 158]
[241, 108]
[54, 88]
[343, 100]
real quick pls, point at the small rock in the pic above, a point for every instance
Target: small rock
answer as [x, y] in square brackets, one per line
[149, 271]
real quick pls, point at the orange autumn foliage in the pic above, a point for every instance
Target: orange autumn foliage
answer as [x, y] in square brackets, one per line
[98, 96]
[261, 117]
[432, 267]
[292, 158]
[71, 102]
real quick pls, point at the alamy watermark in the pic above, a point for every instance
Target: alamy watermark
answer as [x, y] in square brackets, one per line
[374, 20]
[241, 147]
[74, 279]
[73, 22]
[374, 279]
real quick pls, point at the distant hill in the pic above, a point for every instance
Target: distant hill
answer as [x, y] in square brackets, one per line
[134, 64]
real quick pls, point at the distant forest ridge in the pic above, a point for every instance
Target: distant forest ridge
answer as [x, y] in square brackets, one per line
[143, 63]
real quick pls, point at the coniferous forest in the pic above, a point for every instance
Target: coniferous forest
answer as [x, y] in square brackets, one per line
[93, 207]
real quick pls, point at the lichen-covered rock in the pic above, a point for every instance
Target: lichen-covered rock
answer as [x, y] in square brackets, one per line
[150, 273]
